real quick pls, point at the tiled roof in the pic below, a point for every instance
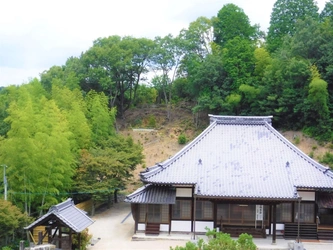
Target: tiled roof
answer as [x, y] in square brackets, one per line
[68, 214]
[151, 194]
[241, 157]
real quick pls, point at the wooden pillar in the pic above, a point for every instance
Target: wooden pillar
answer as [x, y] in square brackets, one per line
[115, 196]
[135, 208]
[298, 219]
[29, 238]
[194, 219]
[215, 213]
[192, 209]
[270, 220]
[40, 238]
[60, 236]
[70, 238]
[22, 245]
[79, 240]
[293, 211]
[274, 225]
[170, 217]
[49, 234]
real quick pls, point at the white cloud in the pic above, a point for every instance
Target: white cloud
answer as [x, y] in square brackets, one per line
[37, 34]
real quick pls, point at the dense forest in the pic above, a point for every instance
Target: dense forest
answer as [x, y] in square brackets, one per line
[57, 133]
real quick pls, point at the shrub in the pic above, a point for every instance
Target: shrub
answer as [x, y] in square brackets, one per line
[6, 248]
[245, 242]
[152, 121]
[219, 240]
[85, 240]
[182, 139]
[137, 123]
[296, 139]
[327, 159]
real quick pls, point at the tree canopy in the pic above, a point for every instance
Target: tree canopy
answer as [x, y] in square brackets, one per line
[284, 16]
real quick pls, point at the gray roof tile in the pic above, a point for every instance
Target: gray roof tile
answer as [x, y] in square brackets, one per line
[241, 157]
[151, 194]
[68, 214]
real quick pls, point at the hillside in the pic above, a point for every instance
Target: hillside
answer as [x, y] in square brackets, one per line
[159, 136]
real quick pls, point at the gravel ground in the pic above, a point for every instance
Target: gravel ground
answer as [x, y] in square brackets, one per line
[114, 228]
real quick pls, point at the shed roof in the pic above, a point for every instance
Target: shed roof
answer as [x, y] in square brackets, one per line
[151, 194]
[68, 214]
[241, 157]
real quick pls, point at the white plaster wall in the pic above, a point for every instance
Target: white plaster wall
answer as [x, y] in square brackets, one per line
[307, 196]
[183, 192]
[201, 225]
[279, 229]
[141, 226]
[278, 226]
[180, 226]
[164, 228]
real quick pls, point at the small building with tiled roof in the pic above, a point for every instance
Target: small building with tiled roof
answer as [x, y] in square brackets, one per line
[239, 175]
[61, 222]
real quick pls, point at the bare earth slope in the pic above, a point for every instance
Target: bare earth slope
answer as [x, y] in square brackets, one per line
[159, 136]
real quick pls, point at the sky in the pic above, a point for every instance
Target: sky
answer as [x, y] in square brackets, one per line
[38, 34]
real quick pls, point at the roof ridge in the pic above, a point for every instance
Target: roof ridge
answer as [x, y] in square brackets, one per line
[61, 206]
[241, 119]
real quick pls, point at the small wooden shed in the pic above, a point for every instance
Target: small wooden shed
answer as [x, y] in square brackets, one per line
[61, 222]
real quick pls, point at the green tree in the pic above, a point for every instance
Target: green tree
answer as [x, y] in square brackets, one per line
[327, 12]
[284, 16]
[107, 168]
[61, 76]
[317, 111]
[262, 59]
[74, 107]
[287, 81]
[4, 103]
[231, 22]
[325, 58]
[207, 84]
[251, 98]
[166, 60]
[101, 118]
[307, 40]
[12, 220]
[198, 37]
[145, 95]
[116, 65]
[238, 62]
[36, 148]
[75, 74]
[47, 76]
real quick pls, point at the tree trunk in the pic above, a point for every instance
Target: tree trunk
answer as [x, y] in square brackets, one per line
[93, 207]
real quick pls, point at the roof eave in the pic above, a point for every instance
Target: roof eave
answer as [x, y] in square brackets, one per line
[254, 199]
